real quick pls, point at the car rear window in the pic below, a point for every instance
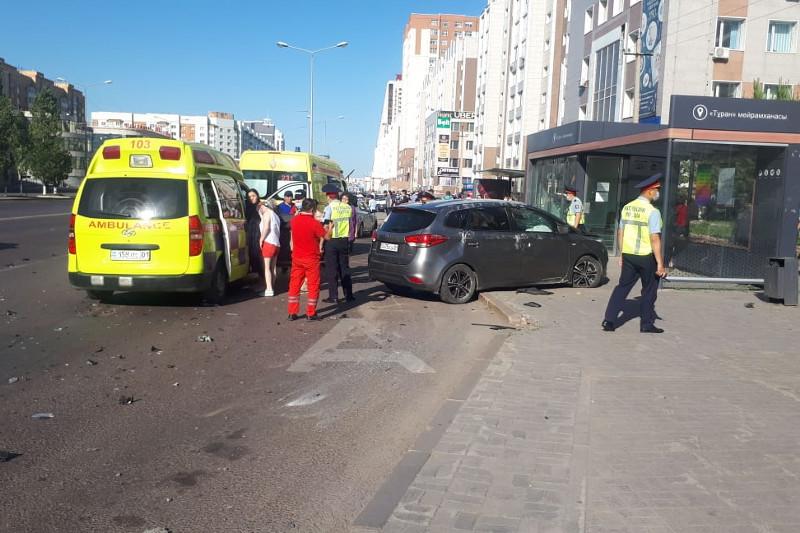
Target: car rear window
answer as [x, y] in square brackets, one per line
[403, 220]
[140, 198]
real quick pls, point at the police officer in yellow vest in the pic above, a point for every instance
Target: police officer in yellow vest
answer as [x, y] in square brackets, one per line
[642, 258]
[337, 249]
[575, 208]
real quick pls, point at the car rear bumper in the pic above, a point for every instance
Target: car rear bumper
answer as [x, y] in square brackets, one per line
[399, 275]
[103, 282]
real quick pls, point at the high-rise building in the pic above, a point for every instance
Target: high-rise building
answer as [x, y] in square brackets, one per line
[425, 39]
[445, 150]
[490, 73]
[384, 166]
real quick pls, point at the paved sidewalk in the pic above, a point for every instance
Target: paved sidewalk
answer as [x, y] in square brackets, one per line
[571, 429]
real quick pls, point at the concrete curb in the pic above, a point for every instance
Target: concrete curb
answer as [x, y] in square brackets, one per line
[514, 318]
[10, 198]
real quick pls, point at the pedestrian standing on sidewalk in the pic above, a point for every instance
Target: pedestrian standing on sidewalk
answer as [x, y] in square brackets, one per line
[642, 256]
[253, 230]
[350, 200]
[307, 234]
[270, 247]
[337, 256]
[575, 208]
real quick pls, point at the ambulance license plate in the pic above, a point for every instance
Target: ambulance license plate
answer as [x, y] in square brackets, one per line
[130, 255]
[389, 247]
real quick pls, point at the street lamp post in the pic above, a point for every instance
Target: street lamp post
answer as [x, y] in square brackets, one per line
[311, 54]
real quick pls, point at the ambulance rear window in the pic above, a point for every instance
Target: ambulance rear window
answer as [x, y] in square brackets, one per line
[137, 198]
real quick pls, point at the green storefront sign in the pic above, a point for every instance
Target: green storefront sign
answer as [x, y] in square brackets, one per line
[443, 123]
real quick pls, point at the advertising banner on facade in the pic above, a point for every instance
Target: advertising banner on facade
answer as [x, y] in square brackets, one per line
[650, 61]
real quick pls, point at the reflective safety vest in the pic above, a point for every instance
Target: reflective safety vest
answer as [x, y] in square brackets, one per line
[635, 231]
[340, 216]
[572, 215]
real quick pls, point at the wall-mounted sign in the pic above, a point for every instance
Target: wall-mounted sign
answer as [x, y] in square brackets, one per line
[650, 62]
[445, 171]
[443, 123]
[737, 114]
[443, 152]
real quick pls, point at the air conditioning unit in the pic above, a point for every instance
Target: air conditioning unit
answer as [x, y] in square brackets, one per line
[584, 84]
[720, 52]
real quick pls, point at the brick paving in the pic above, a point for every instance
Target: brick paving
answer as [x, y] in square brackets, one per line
[571, 429]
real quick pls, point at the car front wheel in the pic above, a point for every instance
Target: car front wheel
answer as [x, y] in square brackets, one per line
[587, 273]
[459, 285]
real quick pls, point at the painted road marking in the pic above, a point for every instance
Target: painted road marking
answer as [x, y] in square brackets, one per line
[27, 217]
[327, 349]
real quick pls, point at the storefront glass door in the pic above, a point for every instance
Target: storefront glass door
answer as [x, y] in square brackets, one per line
[601, 204]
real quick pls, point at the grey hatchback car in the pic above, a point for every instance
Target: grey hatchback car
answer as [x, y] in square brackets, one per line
[455, 248]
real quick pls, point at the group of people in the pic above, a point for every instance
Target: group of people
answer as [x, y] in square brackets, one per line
[311, 234]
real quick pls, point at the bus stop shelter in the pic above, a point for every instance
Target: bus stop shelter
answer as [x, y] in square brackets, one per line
[731, 188]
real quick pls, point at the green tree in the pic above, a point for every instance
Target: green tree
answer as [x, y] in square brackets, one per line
[784, 91]
[47, 159]
[758, 90]
[13, 140]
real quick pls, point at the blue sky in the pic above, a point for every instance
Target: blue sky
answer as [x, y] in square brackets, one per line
[191, 57]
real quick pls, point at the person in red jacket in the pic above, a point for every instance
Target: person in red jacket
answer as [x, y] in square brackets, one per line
[307, 234]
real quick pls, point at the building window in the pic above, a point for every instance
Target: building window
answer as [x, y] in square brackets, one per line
[588, 20]
[632, 46]
[434, 33]
[434, 22]
[726, 89]
[780, 37]
[605, 82]
[445, 24]
[459, 24]
[469, 145]
[444, 33]
[627, 104]
[454, 145]
[730, 33]
[468, 33]
[773, 90]
[602, 11]
[585, 71]
[468, 24]
[467, 163]
[454, 162]
[617, 9]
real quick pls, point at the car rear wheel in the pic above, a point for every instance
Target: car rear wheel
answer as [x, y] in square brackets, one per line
[587, 272]
[459, 285]
[218, 290]
[102, 296]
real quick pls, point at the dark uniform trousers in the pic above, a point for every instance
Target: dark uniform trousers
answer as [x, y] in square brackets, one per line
[635, 267]
[337, 263]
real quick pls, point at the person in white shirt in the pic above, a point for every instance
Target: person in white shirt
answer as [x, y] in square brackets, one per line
[270, 246]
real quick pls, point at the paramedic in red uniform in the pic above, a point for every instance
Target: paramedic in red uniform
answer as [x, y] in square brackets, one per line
[307, 234]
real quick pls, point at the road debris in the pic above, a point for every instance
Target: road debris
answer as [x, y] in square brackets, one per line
[534, 291]
[91, 362]
[158, 529]
[176, 384]
[156, 350]
[204, 338]
[12, 380]
[232, 314]
[495, 327]
[6, 456]
[127, 400]
[11, 313]
[750, 305]
[58, 329]
[532, 304]
[42, 416]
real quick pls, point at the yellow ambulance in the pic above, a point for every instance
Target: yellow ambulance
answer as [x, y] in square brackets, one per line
[158, 215]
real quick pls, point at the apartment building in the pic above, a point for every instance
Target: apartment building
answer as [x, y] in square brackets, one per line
[445, 151]
[267, 131]
[384, 166]
[490, 73]
[425, 39]
[719, 48]
[218, 129]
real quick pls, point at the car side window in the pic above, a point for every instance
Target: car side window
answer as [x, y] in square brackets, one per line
[530, 221]
[488, 219]
[457, 219]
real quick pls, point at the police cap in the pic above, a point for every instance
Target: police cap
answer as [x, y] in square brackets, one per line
[651, 182]
[570, 188]
[331, 188]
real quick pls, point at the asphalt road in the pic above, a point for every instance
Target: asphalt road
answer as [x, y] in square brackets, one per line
[273, 426]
